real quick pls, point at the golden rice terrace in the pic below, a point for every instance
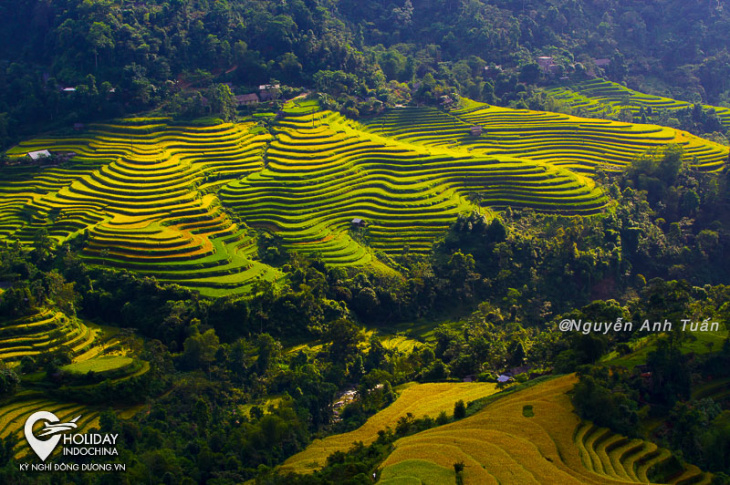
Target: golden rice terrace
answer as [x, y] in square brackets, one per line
[180, 202]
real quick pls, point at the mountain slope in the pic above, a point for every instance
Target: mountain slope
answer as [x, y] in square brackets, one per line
[165, 200]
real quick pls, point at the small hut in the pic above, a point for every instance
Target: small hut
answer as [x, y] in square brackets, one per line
[475, 130]
[504, 378]
[39, 155]
[358, 222]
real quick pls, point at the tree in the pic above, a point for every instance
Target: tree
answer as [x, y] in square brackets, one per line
[201, 412]
[530, 73]
[690, 203]
[222, 101]
[200, 349]
[269, 353]
[290, 68]
[461, 273]
[404, 16]
[61, 293]
[100, 38]
[43, 244]
[596, 401]
[366, 302]
[459, 470]
[343, 337]
[670, 375]
[488, 93]
[496, 232]
[18, 301]
[4, 135]
[459, 410]
[9, 381]
[335, 83]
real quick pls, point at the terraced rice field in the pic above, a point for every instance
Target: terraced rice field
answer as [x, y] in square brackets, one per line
[324, 170]
[501, 445]
[165, 200]
[418, 399]
[621, 458]
[138, 189]
[399, 343]
[599, 96]
[43, 332]
[14, 414]
[552, 139]
[46, 332]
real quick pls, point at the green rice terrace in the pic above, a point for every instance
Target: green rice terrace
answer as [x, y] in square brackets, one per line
[180, 202]
[601, 97]
[100, 364]
[44, 332]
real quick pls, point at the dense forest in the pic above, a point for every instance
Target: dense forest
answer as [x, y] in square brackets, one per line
[123, 57]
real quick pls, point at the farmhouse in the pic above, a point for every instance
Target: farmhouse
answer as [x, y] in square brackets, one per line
[267, 91]
[39, 154]
[475, 130]
[358, 222]
[603, 62]
[247, 99]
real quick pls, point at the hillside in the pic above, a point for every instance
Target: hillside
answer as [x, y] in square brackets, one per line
[316, 242]
[117, 57]
[92, 366]
[603, 98]
[416, 400]
[506, 444]
[179, 202]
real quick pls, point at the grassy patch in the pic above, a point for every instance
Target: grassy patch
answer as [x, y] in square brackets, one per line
[696, 342]
[102, 364]
[417, 472]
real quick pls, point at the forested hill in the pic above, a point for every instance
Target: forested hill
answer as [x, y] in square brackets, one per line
[126, 56]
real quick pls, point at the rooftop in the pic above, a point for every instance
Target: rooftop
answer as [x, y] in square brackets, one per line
[39, 154]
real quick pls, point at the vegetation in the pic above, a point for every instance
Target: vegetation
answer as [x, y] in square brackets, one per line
[499, 443]
[411, 185]
[605, 99]
[315, 242]
[416, 401]
[82, 61]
